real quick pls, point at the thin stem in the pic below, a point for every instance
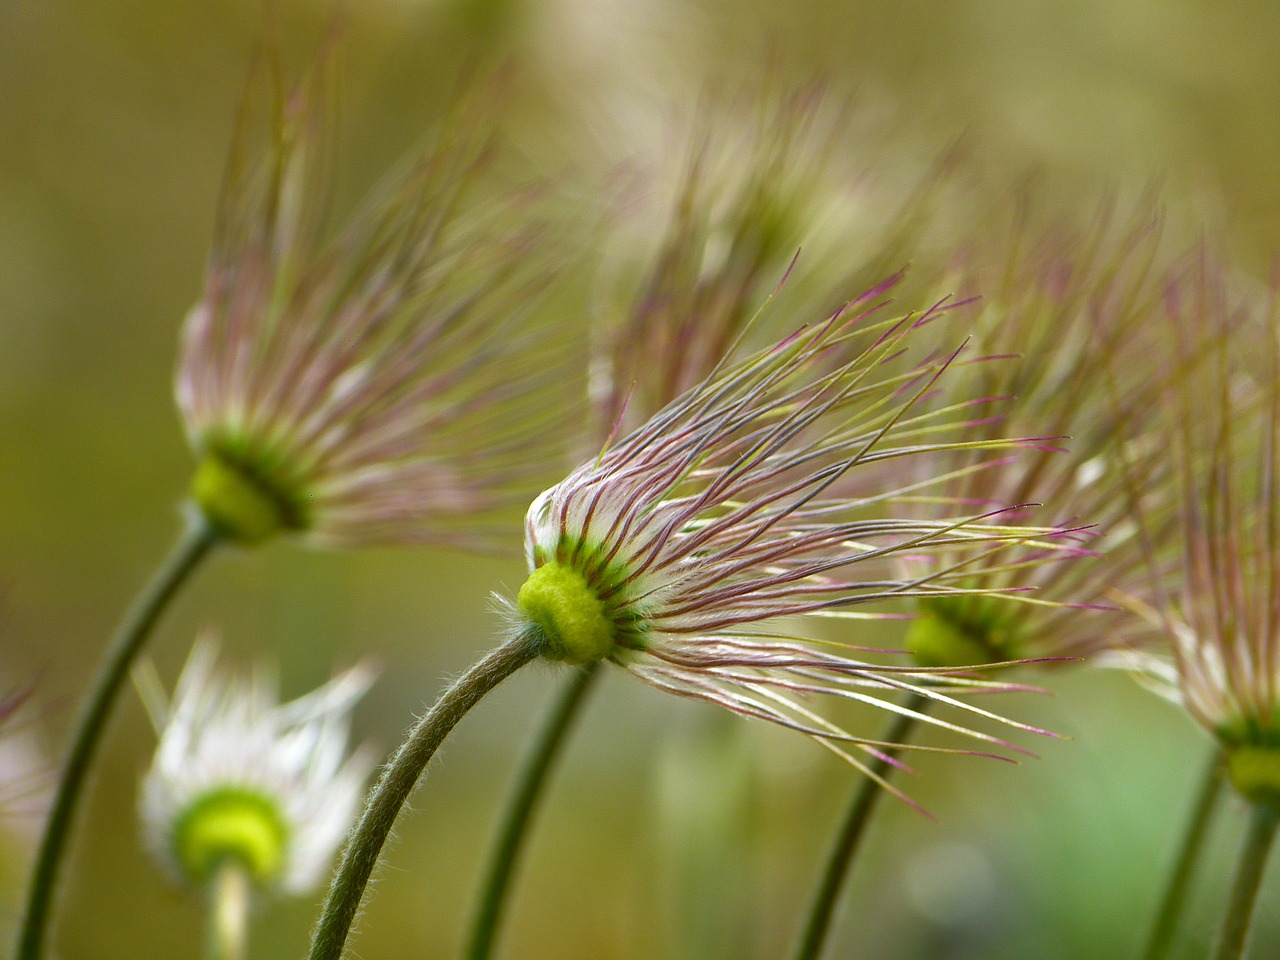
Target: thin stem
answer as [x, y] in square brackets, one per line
[229, 912]
[197, 539]
[1175, 896]
[398, 780]
[519, 810]
[848, 840]
[1263, 821]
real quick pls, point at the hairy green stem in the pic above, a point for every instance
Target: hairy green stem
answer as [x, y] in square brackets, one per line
[1212, 789]
[128, 641]
[1234, 933]
[228, 912]
[519, 810]
[398, 780]
[849, 839]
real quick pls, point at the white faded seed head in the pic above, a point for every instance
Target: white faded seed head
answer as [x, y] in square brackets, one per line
[239, 776]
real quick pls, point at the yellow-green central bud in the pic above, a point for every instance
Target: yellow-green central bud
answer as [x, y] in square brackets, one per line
[1255, 772]
[935, 642]
[237, 504]
[237, 825]
[569, 613]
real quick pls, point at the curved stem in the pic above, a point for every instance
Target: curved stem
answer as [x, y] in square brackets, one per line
[1263, 821]
[127, 642]
[229, 912]
[398, 780]
[519, 810]
[849, 839]
[1175, 895]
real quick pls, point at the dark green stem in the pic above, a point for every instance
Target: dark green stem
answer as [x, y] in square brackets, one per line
[398, 780]
[1263, 820]
[1175, 897]
[128, 641]
[519, 810]
[847, 842]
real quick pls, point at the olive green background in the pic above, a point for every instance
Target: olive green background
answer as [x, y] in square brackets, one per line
[672, 831]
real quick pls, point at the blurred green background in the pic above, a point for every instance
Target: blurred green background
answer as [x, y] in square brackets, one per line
[672, 831]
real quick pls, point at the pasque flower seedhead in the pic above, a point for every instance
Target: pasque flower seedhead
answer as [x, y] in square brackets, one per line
[708, 227]
[389, 383]
[677, 552]
[1065, 320]
[1206, 505]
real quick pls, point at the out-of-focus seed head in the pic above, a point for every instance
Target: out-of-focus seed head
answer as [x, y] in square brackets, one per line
[678, 551]
[707, 229]
[1064, 318]
[1205, 501]
[240, 777]
[391, 382]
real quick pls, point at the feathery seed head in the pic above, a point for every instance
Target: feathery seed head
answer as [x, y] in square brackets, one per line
[1206, 505]
[387, 384]
[757, 178]
[239, 776]
[672, 552]
[1066, 316]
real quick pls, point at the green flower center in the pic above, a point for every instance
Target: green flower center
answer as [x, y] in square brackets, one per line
[241, 503]
[568, 612]
[231, 824]
[960, 631]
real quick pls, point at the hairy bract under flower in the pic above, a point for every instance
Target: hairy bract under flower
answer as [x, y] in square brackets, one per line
[388, 384]
[683, 551]
[240, 777]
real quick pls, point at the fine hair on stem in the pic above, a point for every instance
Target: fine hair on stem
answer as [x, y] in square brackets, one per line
[397, 782]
